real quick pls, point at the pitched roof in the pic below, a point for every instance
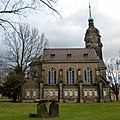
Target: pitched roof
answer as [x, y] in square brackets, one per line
[69, 54]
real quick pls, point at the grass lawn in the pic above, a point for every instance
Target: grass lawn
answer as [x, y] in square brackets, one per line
[68, 111]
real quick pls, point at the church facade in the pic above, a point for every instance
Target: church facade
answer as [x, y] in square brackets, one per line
[70, 74]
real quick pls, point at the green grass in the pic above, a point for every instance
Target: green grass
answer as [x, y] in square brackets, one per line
[68, 111]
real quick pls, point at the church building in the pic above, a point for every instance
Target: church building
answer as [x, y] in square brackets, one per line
[70, 74]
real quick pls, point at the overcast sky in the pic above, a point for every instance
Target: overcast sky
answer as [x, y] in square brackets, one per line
[70, 30]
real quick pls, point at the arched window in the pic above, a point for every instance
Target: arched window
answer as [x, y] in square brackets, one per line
[105, 93]
[88, 76]
[60, 72]
[51, 92]
[27, 93]
[56, 92]
[70, 76]
[78, 72]
[52, 76]
[71, 93]
[34, 93]
[85, 93]
[95, 93]
[66, 93]
[76, 92]
[90, 93]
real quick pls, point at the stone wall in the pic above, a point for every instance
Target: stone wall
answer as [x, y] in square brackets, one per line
[66, 93]
[30, 90]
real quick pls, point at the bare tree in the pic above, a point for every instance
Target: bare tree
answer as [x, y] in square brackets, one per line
[17, 8]
[113, 75]
[24, 47]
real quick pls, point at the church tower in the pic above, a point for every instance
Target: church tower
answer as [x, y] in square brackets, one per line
[92, 37]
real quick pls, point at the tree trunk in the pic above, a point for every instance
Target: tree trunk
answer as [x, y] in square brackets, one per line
[21, 80]
[117, 99]
[14, 96]
[20, 93]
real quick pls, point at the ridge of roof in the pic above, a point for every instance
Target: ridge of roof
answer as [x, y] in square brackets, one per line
[66, 48]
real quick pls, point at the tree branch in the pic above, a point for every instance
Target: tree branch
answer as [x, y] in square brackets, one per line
[49, 5]
[6, 5]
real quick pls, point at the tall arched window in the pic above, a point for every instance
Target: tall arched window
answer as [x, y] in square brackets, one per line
[88, 76]
[52, 76]
[70, 76]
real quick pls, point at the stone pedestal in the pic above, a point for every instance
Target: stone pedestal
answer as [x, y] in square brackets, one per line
[41, 90]
[80, 92]
[101, 91]
[60, 92]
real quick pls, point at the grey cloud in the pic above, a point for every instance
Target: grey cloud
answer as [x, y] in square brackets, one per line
[70, 31]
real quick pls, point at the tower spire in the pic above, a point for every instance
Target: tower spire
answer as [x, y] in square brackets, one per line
[90, 16]
[90, 20]
[92, 37]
